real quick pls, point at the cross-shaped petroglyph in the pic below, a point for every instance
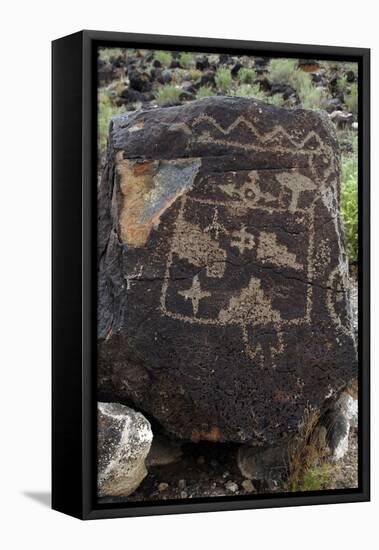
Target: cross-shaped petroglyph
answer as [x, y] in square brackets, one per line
[215, 226]
[242, 240]
[195, 294]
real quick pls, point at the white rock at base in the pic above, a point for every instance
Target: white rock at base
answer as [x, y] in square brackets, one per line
[124, 440]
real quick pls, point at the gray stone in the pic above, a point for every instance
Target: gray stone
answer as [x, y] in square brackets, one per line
[124, 439]
[340, 416]
[182, 483]
[231, 486]
[341, 119]
[248, 486]
[163, 487]
[223, 307]
[262, 464]
[163, 452]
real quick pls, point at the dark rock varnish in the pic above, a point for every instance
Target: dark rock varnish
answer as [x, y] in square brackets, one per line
[223, 305]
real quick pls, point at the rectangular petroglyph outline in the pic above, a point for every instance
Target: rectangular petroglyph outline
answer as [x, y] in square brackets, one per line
[323, 150]
[298, 148]
[209, 321]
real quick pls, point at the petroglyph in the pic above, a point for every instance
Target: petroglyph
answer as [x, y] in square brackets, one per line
[137, 274]
[270, 250]
[296, 183]
[190, 243]
[249, 191]
[243, 240]
[253, 308]
[230, 206]
[195, 294]
[215, 227]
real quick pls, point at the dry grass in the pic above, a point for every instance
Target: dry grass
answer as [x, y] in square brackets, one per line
[308, 468]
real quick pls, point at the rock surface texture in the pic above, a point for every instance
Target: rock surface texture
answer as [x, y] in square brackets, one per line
[124, 439]
[223, 305]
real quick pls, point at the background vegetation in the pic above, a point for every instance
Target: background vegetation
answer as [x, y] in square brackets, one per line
[132, 79]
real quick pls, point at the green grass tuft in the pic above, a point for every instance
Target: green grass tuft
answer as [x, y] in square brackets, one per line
[223, 79]
[249, 90]
[105, 112]
[205, 91]
[168, 95]
[276, 100]
[194, 74]
[246, 75]
[105, 54]
[186, 60]
[312, 97]
[351, 99]
[281, 70]
[163, 57]
[349, 202]
[317, 477]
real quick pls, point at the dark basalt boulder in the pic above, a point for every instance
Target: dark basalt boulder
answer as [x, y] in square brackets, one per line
[223, 289]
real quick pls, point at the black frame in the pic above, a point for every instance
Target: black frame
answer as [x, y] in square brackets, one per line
[74, 151]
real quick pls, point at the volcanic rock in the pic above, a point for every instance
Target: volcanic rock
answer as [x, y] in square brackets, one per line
[223, 289]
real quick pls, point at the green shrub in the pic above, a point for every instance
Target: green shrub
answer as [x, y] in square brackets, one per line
[285, 71]
[194, 74]
[204, 91]
[301, 82]
[168, 95]
[163, 57]
[249, 90]
[351, 67]
[105, 54]
[351, 99]
[246, 75]
[281, 70]
[349, 202]
[186, 60]
[276, 99]
[313, 97]
[223, 79]
[341, 84]
[318, 477]
[105, 110]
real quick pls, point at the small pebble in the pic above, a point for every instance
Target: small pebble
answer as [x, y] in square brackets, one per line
[183, 494]
[182, 483]
[225, 475]
[248, 485]
[201, 460]
[231, 486]
[162, 487]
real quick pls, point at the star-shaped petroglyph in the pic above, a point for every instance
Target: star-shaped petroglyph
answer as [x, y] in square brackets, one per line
[195, 294]
[242, 240]
[215, 226]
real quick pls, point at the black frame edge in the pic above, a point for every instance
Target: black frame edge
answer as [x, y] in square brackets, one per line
[81, 501]
[67, 95]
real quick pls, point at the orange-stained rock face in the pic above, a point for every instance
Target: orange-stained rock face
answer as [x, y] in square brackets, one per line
[223, 288]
